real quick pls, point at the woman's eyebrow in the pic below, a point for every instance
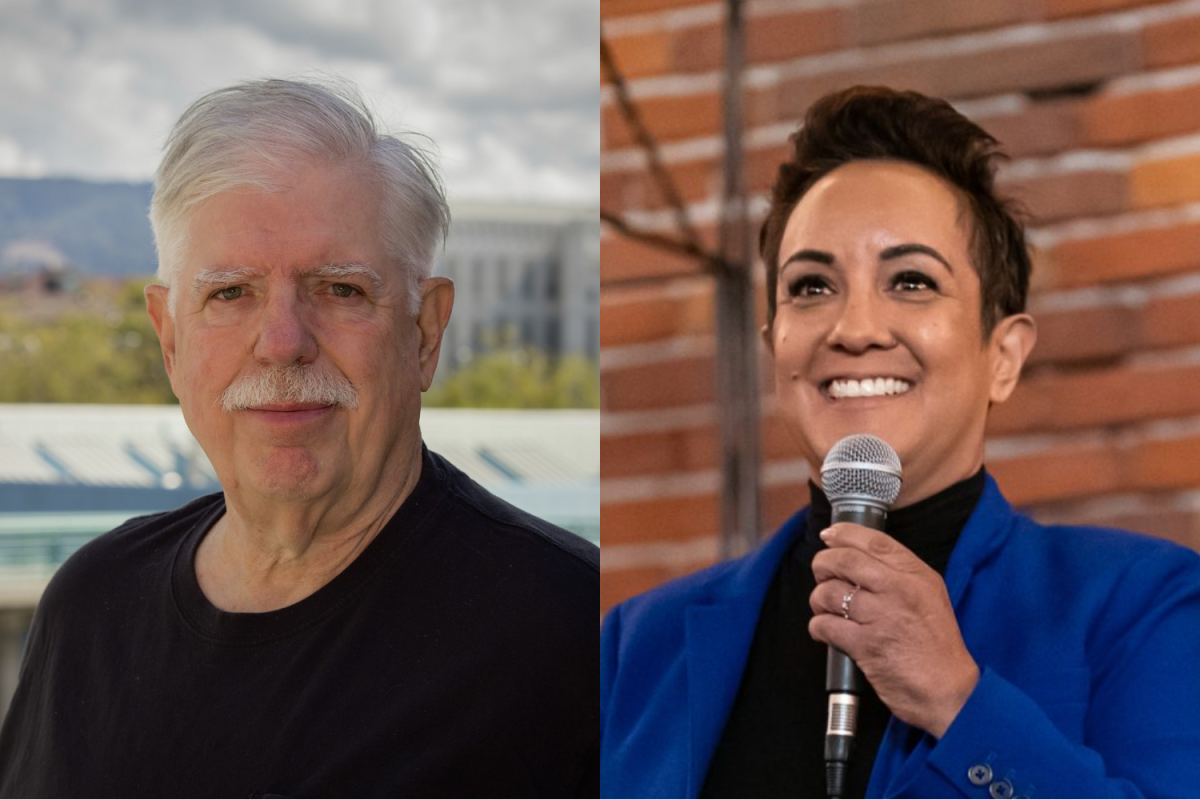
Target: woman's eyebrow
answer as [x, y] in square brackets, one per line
[818, 256]
[901, 250]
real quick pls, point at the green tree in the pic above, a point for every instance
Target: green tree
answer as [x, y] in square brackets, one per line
[521, 378]
[102, 351]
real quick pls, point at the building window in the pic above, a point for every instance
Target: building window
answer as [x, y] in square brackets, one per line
[477, 277]
[528, 277]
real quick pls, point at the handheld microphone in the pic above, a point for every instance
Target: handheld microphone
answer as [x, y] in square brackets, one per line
[861, 477]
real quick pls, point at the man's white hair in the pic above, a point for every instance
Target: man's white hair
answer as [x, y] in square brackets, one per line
[257, 133]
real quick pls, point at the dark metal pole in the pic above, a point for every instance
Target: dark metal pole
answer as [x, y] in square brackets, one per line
[737, 345]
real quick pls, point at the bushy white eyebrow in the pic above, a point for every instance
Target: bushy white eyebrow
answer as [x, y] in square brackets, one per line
[227, 276]
[347, 269]
[221, 276]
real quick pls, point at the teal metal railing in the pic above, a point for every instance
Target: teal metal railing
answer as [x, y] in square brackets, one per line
[34, 545]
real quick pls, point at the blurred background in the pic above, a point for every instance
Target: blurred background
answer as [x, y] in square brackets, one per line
[505, 92]
[1097, 102]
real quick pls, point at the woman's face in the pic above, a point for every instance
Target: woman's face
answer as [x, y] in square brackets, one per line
[878, 327]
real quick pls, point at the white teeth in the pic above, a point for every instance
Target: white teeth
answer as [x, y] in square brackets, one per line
[868, 387]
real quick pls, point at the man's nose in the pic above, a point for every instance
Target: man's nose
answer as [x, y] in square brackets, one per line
[862, 323]
[285, 331]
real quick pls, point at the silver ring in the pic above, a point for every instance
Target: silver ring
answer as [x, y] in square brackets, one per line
[847, 598]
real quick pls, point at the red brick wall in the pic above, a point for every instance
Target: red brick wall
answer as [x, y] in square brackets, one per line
[1098, 102]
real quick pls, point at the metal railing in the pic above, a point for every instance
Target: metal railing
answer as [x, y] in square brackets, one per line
[34, 545]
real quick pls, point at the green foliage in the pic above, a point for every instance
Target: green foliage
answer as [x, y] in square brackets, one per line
[101, 348]
[98, 346]
[521, 378]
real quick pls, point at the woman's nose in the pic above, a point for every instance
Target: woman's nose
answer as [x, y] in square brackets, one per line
[861, 324]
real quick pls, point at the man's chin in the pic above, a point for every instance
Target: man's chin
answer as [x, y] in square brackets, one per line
[289, 473]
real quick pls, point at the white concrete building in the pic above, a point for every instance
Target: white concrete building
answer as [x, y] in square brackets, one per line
[523, 275]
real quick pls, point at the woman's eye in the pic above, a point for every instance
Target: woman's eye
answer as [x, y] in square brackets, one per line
[342, 290]
[230, 293]
[914, 282]
[808, 286]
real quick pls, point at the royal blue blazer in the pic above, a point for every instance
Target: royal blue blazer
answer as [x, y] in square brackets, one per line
[1087, 640]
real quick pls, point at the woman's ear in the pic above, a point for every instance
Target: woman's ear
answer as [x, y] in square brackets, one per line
[1010, 345]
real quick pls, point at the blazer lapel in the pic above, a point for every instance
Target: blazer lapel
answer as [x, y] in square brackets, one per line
[983, 535]
[718, 632]
[718, 642]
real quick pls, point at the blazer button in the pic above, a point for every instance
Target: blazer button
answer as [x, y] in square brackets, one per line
[1001, 789]
[980, 774]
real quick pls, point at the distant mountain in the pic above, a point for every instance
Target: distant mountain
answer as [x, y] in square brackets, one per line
[101, 228]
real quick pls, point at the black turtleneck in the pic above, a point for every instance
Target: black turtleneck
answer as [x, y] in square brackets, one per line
[773, 742]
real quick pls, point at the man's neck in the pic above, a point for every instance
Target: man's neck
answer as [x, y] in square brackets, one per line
[262, 556]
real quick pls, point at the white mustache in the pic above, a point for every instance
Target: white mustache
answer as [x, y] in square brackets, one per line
[295, 383]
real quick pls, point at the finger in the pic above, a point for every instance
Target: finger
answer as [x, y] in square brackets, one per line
[832, 629]
[854, 567]
[876, 544]
[839, 598]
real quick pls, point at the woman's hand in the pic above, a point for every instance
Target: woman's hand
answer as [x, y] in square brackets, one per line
[901, 632]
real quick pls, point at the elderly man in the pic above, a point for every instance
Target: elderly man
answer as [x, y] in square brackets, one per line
[353, 615]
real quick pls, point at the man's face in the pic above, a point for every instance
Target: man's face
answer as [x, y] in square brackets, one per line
[878, 327]
[270, 280]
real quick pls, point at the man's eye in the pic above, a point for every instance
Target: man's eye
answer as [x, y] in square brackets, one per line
[343, 290]
[229, 293]
[914, 282]
[808, 286]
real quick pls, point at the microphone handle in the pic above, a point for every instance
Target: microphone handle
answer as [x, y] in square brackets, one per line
[843, 680]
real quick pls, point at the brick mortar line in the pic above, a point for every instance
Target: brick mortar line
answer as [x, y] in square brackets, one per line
[648, 353]
[700, 15]
[1091, 228]
[682, 288]
[665, 420]
[702, 550]
[691, 552]
[998, 448]
[688, 347]
[1136, 294]
[705, 213]
[1059, 512]
[701, 150]
[937, 48]
[695, 483]
[1152, 80]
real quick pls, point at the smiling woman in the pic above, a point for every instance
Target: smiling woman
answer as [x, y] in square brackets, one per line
[877, 285]
[999, 655]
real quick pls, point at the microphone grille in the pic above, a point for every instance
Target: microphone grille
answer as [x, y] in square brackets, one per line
[862, 466]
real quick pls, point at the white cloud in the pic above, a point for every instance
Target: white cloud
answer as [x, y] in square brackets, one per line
[15, 162]
[507, 89]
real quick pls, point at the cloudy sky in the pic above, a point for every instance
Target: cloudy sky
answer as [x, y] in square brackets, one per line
[508, 88]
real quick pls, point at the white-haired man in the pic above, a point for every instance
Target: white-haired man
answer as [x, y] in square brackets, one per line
[352, 615]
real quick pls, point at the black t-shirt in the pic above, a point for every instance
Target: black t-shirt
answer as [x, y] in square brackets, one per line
[773, 744]
[456, 656]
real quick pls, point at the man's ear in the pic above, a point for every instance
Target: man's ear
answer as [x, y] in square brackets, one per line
[1011, 343]
[158, 300]
[437, 299]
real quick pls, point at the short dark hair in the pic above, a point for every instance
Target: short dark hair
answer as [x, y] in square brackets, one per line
[876, 123]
